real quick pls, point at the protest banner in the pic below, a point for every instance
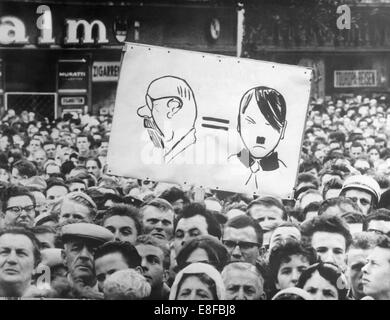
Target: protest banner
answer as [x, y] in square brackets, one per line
[214, 121]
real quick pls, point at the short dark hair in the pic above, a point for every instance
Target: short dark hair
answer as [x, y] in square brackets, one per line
[98, 162]
[53, 182]
[196, 208]
[282, 254]
[126, 249]
[216, 251]
[270, 103]
[173, 194]
[364, 240]
[244, 221]
[147, 239]
[268, 202]
[16, 191]
[331, 273]
[29, 234]
[126, 211]
[327, 223]
[158, 203]
[25, 168]
[337, 202]
[334, 183]
[379, 214]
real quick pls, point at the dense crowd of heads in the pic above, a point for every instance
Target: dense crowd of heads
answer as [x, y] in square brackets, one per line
[70, 230]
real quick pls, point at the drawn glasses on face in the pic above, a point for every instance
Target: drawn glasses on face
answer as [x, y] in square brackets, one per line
[243, 245]
[19, 209]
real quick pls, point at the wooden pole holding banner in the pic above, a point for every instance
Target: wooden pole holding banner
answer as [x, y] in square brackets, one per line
[240, 27]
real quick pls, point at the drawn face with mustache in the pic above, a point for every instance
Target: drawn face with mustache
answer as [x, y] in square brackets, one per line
[260, 130]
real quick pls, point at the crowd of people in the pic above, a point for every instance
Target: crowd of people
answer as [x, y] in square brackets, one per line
[70, 230]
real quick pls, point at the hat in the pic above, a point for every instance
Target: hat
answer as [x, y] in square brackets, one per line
[87, 231]
[37, 182]
[364, 183]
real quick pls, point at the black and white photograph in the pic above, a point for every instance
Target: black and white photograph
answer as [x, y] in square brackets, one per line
[202, 150]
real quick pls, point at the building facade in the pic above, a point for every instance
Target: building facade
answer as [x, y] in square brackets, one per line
[346, 61]
[61, 56]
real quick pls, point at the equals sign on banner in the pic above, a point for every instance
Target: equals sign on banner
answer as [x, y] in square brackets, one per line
[215, 123]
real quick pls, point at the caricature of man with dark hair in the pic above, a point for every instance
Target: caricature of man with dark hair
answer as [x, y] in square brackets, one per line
[261, 125]
[169, 115]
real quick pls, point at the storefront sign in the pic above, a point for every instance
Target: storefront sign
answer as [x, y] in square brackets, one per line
[72, 101]
[72, 75]
[355, 78]
[105, 71]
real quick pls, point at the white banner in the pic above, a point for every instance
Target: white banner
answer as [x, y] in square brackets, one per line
[213, 121]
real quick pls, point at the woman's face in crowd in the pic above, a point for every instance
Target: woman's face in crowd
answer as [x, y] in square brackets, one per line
[320, 289]
[194, 289]
[4, 175]
[373, 154]
[289, 272]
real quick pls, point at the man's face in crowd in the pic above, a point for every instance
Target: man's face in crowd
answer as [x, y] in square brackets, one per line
[356, 152]
[77, 186]
[107, 265]
[46, 240]
[16, 260]
[266, 215]
[78, 257]
[158, 223]
[122, 227]
[20, 211]
[289, 272]
[50, 150]
[376, 274]
[93, 168]
[103, 149]
[361, 198]
[379, 226]
[152, 265]
[55, 193]
[283, 234]
[356, 259]
[16, 178]
[330, 247]
[34, 145]
[241, 244]
[82, 143]
[243, 286]
[40, 158]
[71, 210]
[189, 228]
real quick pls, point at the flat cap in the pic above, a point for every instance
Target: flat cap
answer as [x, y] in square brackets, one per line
[87, 231]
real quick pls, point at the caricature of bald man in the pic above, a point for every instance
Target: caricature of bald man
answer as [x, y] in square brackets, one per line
[169, 115]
